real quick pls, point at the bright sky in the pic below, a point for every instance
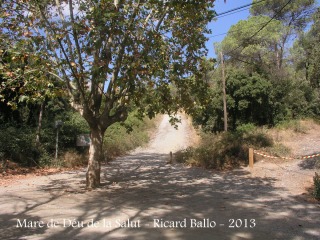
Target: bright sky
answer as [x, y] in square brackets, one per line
[223, 23]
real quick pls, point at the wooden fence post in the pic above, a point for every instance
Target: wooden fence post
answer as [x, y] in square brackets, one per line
[251, 158]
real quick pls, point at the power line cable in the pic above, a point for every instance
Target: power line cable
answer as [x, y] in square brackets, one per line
[235, 9]
[232, 13]
[273, 17]
[235, 31]
[276, 14]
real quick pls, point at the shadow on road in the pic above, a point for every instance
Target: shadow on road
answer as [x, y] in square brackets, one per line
[310, 163]
[144, 188]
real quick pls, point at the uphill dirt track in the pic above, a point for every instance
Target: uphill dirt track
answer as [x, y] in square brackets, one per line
[143, 197]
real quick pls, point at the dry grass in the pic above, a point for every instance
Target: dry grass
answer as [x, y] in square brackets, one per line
[194, 135]
[290, 139]
[71, 159]
[221, 151]
[286, 131]
[296, 133]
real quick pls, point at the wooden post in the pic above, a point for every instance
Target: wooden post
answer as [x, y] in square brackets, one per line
[251, 158]
[225, 114]
[171, 157]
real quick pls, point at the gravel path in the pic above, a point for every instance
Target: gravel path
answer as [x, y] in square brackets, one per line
[142, 197]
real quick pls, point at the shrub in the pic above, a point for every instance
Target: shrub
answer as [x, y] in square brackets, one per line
[43, 157]
[316, 180]
[71, 158]
[73, 125]
[120, 138]
[224, 150]
[246, 128]
[185, 155]
[17, 141]
[17, 144]
[279, 150]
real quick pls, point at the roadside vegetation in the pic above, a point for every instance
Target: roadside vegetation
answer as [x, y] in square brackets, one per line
[272, 86]
[270, 64]
[316, 192]
[19, 145]
[121, 138]
[227, 150]
[269, 81]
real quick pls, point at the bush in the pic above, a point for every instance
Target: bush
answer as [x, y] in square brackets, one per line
[17, 141]
[279, 150]
[70, 159]
[73, 125]
[253, 136]
[120, 138]
[18, 144]
[44, 157]
[316, 180]
[246, 128]
[215, 151]
[224, 150]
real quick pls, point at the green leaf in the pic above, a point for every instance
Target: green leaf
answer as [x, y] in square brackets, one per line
[23, 98]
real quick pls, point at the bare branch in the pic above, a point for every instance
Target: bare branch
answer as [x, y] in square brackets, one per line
[111, 87]
[57, 76]
[74, 73]
[147, 19]
[162, 18]
[58, 5]
[76, 40]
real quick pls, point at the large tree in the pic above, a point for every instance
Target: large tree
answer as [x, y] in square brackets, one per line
[305, 53]
[111, 53]
[294, 15]
[246, 45]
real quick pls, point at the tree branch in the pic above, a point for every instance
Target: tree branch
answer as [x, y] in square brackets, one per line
[81, 90]
[162, 18]
[76, 40]
[58, 5]
[147, 19]
[111, 87]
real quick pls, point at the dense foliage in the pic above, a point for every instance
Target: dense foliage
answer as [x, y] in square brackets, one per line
[271, 63]
[18, 136]
[105, 60]
[268, 79]
[109, 54]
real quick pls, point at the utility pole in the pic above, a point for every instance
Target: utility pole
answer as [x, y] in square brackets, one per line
[225, 115]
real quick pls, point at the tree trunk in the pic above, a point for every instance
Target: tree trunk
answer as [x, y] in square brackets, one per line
[95, 158]
[278, 61]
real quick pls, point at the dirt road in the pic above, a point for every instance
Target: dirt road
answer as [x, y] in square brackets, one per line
[142, 197]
